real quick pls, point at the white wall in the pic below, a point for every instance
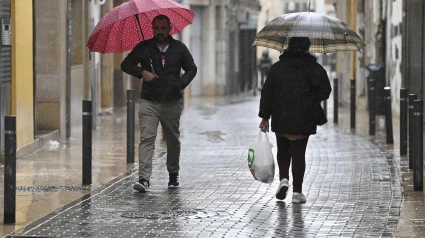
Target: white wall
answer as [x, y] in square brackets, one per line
[394, 51]
[95, 69]
[270, 9]
[77, 76]
[319, 6]
[221, 40]
[209, 50]
[195, 48]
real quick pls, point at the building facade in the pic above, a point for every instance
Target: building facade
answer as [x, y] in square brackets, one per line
[392, 44]
[47, 71]
[220, 39]
[412, 30]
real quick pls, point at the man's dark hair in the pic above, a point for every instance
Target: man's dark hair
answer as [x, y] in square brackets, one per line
[299, 43]
[161, 17]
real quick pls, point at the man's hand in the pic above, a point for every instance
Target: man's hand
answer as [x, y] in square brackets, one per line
[148, 76]
[264, 125]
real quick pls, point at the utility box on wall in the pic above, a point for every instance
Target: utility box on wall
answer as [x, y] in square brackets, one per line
[6, 32]
[377, 72]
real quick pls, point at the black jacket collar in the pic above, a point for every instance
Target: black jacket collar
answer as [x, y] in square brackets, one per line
[152, 42]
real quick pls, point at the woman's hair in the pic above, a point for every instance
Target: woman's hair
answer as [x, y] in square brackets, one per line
[299, 43]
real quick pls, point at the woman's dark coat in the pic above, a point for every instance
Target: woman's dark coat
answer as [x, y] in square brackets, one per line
[292, 94]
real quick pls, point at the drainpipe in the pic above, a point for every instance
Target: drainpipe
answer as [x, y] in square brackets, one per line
[34, 68]
[68, 69]
[94, 16]
[353, 21]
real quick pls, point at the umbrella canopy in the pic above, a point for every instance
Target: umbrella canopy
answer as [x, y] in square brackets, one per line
[126, 25]
[327, 34]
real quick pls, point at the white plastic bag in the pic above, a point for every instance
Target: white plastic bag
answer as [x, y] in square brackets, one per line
[260, 159]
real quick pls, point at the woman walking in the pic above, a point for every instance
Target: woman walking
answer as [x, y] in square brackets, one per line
[291, 97]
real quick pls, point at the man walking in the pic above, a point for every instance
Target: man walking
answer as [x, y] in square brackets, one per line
[161, 60]
[265, 65]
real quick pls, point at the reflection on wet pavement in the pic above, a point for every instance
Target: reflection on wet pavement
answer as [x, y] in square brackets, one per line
[208, 110]
[51, 177]
[350, 185]
[213, 136]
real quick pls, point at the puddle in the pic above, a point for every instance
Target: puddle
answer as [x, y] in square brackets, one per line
[208, 110]
[213, 136]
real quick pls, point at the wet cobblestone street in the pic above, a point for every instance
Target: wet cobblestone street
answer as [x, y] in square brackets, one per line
[352, 188]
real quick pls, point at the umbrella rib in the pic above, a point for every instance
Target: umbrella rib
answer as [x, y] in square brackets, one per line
[106, 43]
[296, 19]
[332, 22]
[123, 24]
[107, 40]
[171, 9]
[109, 33]
[92, 40]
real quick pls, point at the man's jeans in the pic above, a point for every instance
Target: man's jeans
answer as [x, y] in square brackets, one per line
[150, 114]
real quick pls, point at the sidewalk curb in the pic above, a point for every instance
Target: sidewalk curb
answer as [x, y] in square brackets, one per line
[39, 142]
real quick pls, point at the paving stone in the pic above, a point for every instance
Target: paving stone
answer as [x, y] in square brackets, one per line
[352, 189]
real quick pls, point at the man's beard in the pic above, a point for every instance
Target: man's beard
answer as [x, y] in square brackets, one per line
[160, 38]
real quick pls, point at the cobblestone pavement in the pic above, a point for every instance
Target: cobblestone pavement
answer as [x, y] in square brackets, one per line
[352, 188]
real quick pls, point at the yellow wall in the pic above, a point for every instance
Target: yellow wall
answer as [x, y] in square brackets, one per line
[22, 71]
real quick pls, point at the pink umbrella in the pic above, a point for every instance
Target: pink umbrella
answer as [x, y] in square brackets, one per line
[126, 25]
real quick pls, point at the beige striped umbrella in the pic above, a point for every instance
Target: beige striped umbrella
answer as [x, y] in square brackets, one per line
[327, 34]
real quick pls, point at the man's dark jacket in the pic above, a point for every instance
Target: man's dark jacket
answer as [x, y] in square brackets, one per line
[292, 93]
[169, 83]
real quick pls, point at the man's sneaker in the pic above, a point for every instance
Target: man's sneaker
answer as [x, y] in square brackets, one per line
[298, 198]
[282, 190]
[142, 185]
[173, 182]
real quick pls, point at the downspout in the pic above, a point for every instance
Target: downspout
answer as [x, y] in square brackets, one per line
[381, 35]
[92, 65]
[354, 26]
[34, 68]
[405, 65]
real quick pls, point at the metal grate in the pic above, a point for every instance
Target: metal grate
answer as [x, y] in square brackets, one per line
[158, 214]
[18, 236]
[49, 188]
[169, 214]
